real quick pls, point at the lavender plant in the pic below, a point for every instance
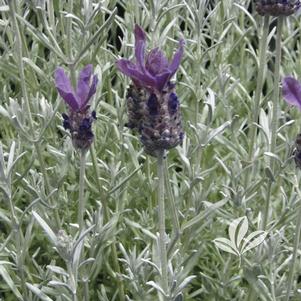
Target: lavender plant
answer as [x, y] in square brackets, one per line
[216, 177]
[154, 111]
[79, 122]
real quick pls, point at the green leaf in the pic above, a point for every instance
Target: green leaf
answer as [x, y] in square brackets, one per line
[253, 240]
[6, 277]
[38, 292]
[204, 214]
[51, 235]
[237, 230]
[226, 245]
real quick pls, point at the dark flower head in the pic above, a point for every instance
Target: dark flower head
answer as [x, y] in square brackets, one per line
[157, 118]
[84, 91]
[79, 121]
[291, 91]
[277, 7]
[154, 70]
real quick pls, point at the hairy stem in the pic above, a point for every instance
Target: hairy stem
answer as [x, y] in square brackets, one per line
[161, 217]
[259, 85]
[19, 54]
[72, 282]
[272, 146]
[106, 211]
[81, 198]
[295, 254]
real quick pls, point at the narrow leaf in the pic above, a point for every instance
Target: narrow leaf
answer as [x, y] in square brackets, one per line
[226, 245]
[46, 228]
[253, 240]
[6, 277]
[242, 231]
[38, 292]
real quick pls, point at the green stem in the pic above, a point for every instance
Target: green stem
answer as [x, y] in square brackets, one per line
[259, 85]
[161, 217]
[86, 290]
[276, 90]
[96, 172]
[274, 126]
[106, 219]
[46, 181]
[16, 230]
[295, 254]
[174, 213]
[72, 281]
[19, 53]
[81, 198]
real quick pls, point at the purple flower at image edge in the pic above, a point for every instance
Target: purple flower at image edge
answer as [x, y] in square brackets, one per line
[291, 91]
[79, 121]
[153, 71]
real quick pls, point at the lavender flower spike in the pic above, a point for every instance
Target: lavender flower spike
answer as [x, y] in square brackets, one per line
[152, 103]
[291, 91]
[79, 121]
[153, 71]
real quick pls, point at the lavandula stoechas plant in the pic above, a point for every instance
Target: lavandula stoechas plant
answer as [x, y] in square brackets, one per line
[291, 92]
[80, 119]
[154, 111]
[277, 8]
[153, 106]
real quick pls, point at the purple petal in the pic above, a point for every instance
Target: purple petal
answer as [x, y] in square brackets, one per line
[174, 65]
[139, 33]
[65, 89]
[162, 80]
[140, 40]
[92, 90]
[291, 91]
[131, 70]
[83, 85]
[125, 66]
[156, 62]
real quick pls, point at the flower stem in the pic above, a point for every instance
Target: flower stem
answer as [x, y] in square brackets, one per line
[276, 89]
[106, 219]
[86, 290]
[72, 281]
[259, 85]
[172, 206]
[161, 217]
[81, 198]
[272, 146]
[295, 253]
[19, 54]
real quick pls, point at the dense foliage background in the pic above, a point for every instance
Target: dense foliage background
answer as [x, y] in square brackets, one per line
[214, 177]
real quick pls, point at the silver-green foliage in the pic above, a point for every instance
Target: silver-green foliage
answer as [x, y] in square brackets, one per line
[212, 180]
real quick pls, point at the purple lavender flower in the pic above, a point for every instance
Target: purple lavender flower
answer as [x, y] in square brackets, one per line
[154, 71]
[277, 7]
[291, 91]
[79, 121]
[153, 106]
